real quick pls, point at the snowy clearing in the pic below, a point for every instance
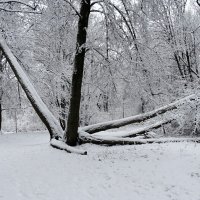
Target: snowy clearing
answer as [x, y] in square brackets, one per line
[30, 169]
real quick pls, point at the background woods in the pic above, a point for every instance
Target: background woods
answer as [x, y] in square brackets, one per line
[116, 80]
[138, 55]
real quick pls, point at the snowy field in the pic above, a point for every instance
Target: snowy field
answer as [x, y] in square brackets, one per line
[32, 170]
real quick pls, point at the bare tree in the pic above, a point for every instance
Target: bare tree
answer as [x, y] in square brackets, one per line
[71, 134]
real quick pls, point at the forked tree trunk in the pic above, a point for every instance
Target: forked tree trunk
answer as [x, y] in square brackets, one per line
[41, 109]
[71, 134]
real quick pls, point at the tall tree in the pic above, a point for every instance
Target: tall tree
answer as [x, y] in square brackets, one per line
[71, 134]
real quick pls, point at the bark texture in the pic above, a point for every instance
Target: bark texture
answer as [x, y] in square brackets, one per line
[71, 134]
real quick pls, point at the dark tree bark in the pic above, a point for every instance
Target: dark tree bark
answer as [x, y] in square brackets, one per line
[62, 105]
[189, 65]
[178, 63]
[71, 134]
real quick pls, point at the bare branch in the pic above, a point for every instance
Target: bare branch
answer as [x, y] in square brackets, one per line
[32, 11]
[95, 2]
[97, 11]
[19, 2]
[20, 11]
[86, 138]
[72, 6]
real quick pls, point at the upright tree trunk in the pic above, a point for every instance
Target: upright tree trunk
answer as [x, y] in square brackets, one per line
[71, 134]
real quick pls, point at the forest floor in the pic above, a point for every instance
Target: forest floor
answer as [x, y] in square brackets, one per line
[32, 170]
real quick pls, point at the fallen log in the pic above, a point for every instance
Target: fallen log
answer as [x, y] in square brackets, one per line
[63, 146]
[135, 119]
[39, 106]
[136, 132]
[87, 138]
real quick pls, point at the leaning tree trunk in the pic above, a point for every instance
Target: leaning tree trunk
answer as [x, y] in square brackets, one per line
[41, 109]
[71, 134]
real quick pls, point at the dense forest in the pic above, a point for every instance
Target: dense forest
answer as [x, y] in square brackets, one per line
[113, 82]
[97, 61]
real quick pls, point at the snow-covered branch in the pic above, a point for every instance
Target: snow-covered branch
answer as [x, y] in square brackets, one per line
[28, 8]
[87, 138]
[20, 11]
[137, 131]
[63, 146]
[137, 118]
[18, 2]
[41, 109]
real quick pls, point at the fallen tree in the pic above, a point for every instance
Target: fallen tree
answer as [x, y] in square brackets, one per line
[84, 132]
[87, 138]
[137, 118]
[137, 131]
[40, 108]
[58, 144]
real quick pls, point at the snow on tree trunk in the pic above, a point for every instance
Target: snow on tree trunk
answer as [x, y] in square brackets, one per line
[136, 131]
[63, 146]
[41, 109]
[106, 140]
[71, 134]
[135, 119]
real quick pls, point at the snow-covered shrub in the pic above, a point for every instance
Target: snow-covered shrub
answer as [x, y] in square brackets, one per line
[186, 118]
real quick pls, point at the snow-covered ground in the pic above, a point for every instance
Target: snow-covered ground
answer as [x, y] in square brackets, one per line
[32, 170]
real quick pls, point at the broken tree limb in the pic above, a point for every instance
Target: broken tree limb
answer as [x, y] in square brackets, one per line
[87, 138]
[63, 146]
[135, 119]
[137, 131]
[41, 109]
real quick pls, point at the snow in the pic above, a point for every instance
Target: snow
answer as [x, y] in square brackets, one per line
[63, 146]
[31, 169]
[131, 129]
[29, 89]
[136, 118]
[107, 139]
